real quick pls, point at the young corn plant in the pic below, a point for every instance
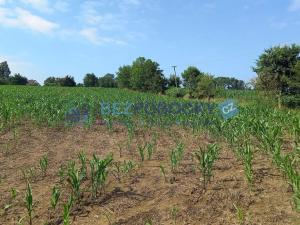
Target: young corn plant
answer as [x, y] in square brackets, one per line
[99, 173]
[163, 172]
[54, 197]
[44, 164]
[67, 210]
[127, 166]
[61, 173]
[83, 169]
[13, 193]
[29, 202]
[176, 155]
[75, 180]
[206, 159]
[141, 150]
[240, 214]
[247, 155]
[174, 213]
[150, 148]
[117, 171]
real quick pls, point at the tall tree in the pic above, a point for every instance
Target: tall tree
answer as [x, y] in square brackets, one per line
[51, 81]
[67, 81]
[174, 81]
[123, 77]
[206, 87]
[276, 69]
[17, 79]
[190, 78]
[108, 81]
[90, 80]
[147, 76]
[4, 71]
[230, 83]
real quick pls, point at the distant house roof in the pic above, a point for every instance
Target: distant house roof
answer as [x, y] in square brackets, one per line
[32, 82]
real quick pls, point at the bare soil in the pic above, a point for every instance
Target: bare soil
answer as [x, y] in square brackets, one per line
[143, 195]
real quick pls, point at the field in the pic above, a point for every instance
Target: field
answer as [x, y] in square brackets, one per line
[145, 168]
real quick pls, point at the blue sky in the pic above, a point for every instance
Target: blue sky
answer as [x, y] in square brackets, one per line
[41, 38]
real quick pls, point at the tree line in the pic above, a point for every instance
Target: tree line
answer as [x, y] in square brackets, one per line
[277, 69]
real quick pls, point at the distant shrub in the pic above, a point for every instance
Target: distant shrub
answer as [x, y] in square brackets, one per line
[3, 81]
[291, 101]
[176, 92]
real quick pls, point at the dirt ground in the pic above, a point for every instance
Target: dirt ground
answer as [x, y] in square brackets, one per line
[143, 195]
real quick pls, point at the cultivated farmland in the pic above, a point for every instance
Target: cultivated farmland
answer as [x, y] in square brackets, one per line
[144, 168]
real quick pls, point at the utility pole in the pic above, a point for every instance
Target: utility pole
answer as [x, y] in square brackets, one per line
[174, 67]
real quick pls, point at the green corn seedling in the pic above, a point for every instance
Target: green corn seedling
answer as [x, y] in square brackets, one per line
[174, 214]
[67, 210]
[141, 150]
[29, 202]
[61, 174]
[247, 155]
[149, 147]
[83, 168]
[240, 214]
[206, 159]
[54, 197]
[99, 172]
[127, 166]
[44, 164]
[176, 155]
[13, 193]
[163, 171]
[75, 180]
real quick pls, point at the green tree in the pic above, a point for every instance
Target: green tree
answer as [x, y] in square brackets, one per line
[230, 83]
[147, 76]
[206, 87]
[276, 69]
[90, 80]
[17, 79]
[190, 78]
[108, 81]
[4, 71]
[51, 81]
[123, 77]
[67, 81]
[174, 81]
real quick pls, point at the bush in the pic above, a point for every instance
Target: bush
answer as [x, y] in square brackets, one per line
[18, 79]
[3, 81]
[291, 101]
[176, 92]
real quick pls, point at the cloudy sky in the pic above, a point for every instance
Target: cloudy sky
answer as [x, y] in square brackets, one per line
[41, 38]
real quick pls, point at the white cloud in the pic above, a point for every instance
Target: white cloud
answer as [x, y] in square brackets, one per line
[2, 2]
[61, 6]
[294, 5]
[91, 34]
[24, 19]
[41, 5]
